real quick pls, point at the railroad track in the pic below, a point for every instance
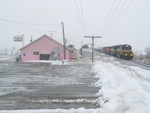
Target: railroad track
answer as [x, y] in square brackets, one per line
[140, 63]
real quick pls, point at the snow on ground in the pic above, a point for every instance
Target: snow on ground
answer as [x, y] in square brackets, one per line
[7, 58]
[124, 89]
[56, 62]
[80, 110]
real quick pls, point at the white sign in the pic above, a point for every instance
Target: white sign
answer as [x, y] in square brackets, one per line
[18, 38]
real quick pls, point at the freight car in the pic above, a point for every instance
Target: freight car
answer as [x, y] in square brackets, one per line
[122, 51]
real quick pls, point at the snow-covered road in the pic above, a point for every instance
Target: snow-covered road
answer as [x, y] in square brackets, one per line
[47, 85]
[124, 89]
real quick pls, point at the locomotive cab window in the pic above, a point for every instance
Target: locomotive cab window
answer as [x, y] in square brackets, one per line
[127, 47]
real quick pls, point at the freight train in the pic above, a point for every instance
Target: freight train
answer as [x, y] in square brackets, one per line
[122, 51]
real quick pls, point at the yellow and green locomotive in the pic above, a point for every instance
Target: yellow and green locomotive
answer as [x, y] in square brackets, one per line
[123, 51]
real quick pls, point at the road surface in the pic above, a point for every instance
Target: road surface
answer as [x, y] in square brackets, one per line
[35, 85]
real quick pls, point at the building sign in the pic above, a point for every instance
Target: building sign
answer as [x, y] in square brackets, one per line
[18, 38]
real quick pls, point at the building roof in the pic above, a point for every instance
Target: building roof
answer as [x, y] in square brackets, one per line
[40, 38]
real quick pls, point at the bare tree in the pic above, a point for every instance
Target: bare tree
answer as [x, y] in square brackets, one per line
[6, 51]
[13, 50]
[138, 55]
[147, 50]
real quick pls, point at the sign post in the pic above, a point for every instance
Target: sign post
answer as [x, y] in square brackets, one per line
[19, 39]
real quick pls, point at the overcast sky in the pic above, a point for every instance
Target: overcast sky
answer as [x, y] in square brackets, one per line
[117, 21]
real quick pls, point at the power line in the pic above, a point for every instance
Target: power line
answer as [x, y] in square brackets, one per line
[120, 12]
[80, 16]
[114, 11]
[123, 4]
[108, 16]
[24, 23]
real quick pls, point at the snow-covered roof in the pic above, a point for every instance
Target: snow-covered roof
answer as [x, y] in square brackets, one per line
[40, 38]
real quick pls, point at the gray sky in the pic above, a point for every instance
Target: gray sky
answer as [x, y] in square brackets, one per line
[124, 24]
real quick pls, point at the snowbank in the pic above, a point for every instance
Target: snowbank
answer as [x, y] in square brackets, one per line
[80, 110]
[123, 89]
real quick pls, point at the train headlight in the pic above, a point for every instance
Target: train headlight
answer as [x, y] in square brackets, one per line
[126, 54]
[131, 54]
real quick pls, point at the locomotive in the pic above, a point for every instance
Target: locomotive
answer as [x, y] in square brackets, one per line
[122, 51]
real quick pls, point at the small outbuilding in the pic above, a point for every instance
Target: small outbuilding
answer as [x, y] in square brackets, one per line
[46, 48]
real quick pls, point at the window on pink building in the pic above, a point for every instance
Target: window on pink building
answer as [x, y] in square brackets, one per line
[35, 53]
[24, 54]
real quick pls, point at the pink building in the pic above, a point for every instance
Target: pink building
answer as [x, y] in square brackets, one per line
[45, 48]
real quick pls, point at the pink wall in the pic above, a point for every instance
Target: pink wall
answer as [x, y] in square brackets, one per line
[73, 54]
[42, 45]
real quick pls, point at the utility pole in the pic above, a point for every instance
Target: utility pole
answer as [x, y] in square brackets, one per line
[51, 32]
[31, 39]
[81, 48]
[64, 42]
[23, 40]
[93, 37]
